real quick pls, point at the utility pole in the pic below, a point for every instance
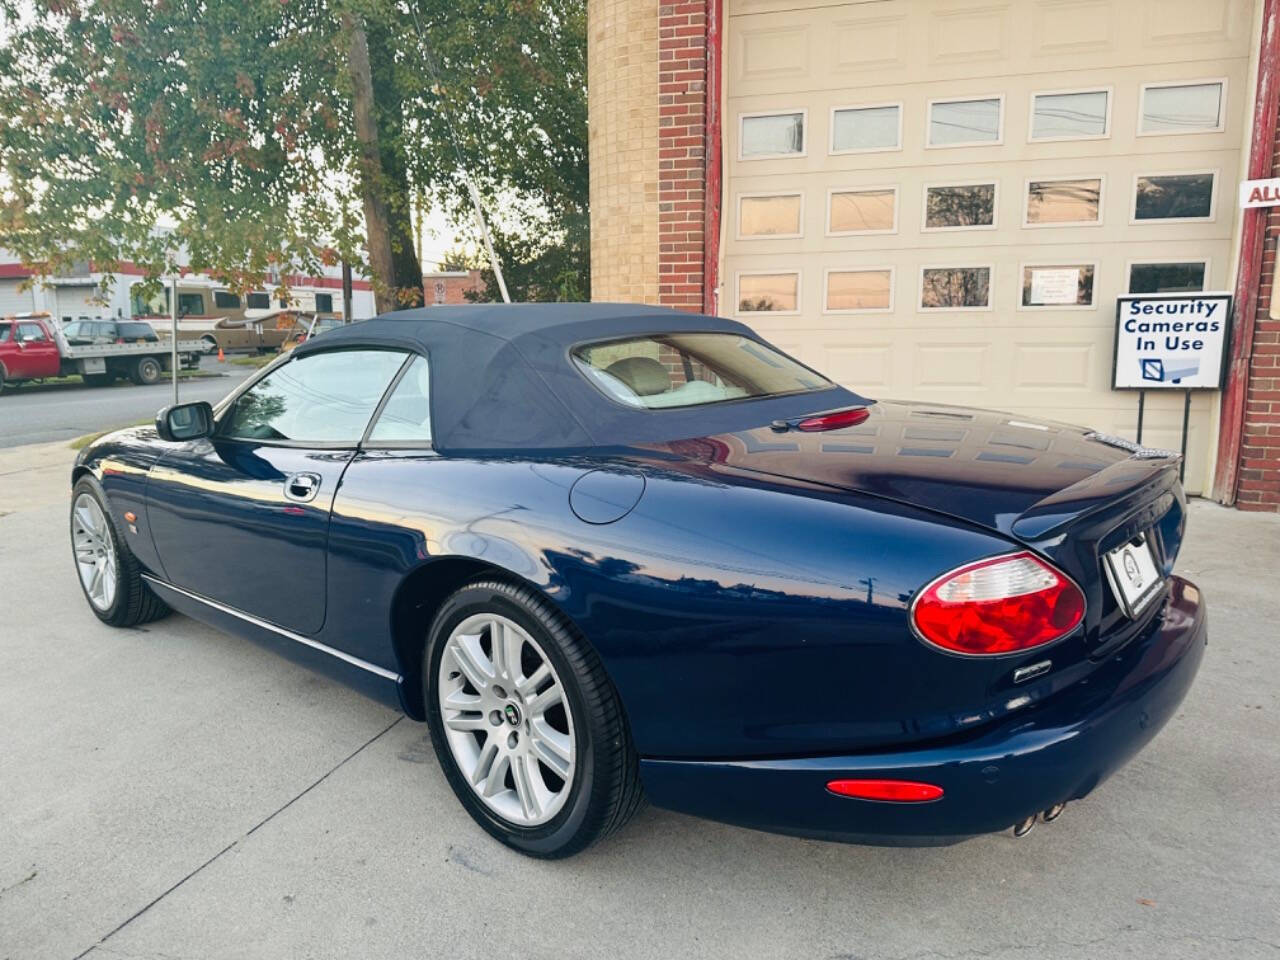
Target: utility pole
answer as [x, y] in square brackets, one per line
[173, 309]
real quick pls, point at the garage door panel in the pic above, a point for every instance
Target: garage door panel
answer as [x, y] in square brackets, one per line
[865, 367]
[13, 299]
[895, 41]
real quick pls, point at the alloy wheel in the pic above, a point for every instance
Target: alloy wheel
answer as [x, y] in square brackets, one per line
[506, 719]
[95, 554]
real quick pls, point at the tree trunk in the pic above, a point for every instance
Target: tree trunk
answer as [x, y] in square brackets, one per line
[384, 181]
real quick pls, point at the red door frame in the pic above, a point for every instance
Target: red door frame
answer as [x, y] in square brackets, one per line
[712, 174]
[1253, 235]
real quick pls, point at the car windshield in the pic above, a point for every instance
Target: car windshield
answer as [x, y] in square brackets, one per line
[689, 369]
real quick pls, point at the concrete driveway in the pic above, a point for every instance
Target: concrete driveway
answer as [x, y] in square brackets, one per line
[173, 792]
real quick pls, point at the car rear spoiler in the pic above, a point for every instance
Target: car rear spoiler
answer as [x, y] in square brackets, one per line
[1119, 489]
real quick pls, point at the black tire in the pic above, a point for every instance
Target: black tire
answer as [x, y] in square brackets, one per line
[2, 377]
[134, 603]
[97, 379]
[606, 791]
[147, 371]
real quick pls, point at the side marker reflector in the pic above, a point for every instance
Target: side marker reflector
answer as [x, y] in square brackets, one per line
[894, 791]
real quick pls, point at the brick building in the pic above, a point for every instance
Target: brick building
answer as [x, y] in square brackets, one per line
[451, 286]
[875, 184]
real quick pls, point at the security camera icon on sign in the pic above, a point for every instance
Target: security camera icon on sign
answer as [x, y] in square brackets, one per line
[1167, 371]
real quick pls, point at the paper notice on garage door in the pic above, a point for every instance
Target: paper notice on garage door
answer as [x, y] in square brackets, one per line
[1055, 286]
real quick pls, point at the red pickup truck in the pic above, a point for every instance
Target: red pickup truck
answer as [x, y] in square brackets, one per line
[33, 348]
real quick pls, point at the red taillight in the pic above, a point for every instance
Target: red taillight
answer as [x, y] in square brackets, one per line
[1000, 605]
[896, 791]
[834, 421]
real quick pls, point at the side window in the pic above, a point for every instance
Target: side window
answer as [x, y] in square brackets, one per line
[4, 332]
[191, 304]
[226, 300]
[31, 332]
[319, 398]
[407, 415]
[258, 301]
[324, 302]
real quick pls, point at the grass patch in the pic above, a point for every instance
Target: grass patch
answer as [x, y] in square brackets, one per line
[79, 443]
[252, 360]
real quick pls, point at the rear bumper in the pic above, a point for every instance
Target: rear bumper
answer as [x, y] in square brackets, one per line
[1050, 754]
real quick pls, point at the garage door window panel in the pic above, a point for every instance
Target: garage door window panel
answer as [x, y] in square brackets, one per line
[1175, 197]
[955, 288]
[1070, 115]
[1075, 202]
[960, 206]
[864, 290]
[1180, 108]
[321, 399]
[969, 122]
[869, 129]
[769, 135]
[770, 216]
[769, 292]
[862, 211]
[1058, 286]
[1184, 277]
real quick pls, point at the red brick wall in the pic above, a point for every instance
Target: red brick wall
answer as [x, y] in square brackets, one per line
[455, 286]
[682, 88]
[1259, 487]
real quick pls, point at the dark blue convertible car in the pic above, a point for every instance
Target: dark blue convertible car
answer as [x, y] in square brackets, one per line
[614, 551]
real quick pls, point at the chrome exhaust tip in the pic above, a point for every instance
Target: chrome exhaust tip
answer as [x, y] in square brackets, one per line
[1053, 813]
[1023, 827]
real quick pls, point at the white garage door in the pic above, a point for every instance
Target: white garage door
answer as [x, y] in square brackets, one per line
[12, 300]
[941, 200]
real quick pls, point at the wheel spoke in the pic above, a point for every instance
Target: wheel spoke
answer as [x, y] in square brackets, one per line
[496, 781]
[488, 754]
[551, 747]
[529, 685]
[86, 521]
[524, 775]
[544, 701]
[467, 722]
[506, 645]
[469, 656]
[461, 700]
[108, 584]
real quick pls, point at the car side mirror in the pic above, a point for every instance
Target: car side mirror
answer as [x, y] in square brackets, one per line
[185, 421]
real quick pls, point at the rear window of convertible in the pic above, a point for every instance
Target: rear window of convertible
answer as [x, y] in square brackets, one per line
[690, 369]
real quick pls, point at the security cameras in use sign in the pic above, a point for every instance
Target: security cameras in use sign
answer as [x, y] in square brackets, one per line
[1174, 341]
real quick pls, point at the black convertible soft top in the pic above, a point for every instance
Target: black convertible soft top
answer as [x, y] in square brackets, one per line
[502, 378]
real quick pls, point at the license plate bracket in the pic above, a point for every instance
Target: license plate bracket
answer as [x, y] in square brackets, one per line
[1132, 572]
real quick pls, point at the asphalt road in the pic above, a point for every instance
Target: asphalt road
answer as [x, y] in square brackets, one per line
[37, 414]
[175, 792]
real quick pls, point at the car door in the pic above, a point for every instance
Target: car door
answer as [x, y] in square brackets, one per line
[37, 355]
[242, 518]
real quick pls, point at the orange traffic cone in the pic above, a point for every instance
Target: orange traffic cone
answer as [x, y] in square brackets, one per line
[222, 357]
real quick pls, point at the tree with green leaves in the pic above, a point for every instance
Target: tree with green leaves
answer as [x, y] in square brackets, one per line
[258, 136]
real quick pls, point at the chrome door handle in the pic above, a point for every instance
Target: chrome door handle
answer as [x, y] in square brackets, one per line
[302, 487]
